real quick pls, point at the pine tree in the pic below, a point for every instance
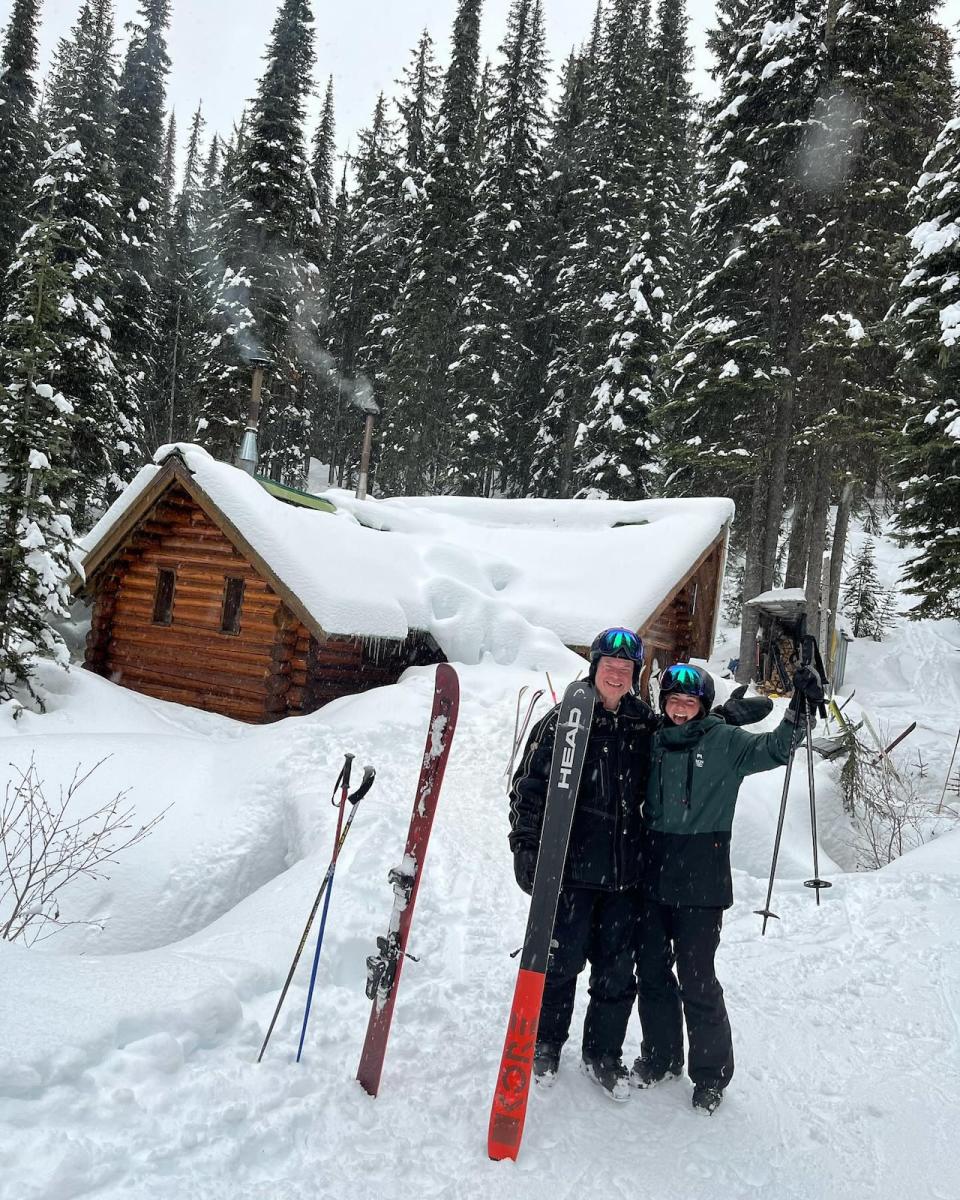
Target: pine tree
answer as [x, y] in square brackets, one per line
[416, 423]
[320, 228]
[565, 273]
[36, 535]
[142, 207]
[730, 418]
[621, 440]
[886, 92]
[928, 328]
[492, 434]
[862, 595]
[259, 306]
[420, 94]
[79, 179]
[184, 295]
[367, 280]
[19, 142]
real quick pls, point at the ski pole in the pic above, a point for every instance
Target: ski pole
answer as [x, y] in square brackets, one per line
[766, 911]
[522, 733]
[816, 882]
[516, 726]
[949, 769]
[553, 694]
[344, 771]
[366, 784]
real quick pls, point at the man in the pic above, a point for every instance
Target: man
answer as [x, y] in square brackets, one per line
[600, 897]
[698, 764]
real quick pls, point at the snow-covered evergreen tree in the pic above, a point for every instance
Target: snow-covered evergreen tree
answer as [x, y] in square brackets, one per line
[416, 422]
[420, 87]
[862, 596]
[886, 92]
[36, 538]
[492, 430]
[78, 188]
[367, 281]
[140, 153]
[735, 365]
[928, 325]
[619, 447]
[19, 144]
[564, 273]
[184, 295]
[320, 225]
[258, 307]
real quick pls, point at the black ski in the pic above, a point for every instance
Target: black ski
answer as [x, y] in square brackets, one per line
[566, 767]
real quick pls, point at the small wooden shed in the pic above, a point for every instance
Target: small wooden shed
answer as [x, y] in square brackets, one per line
[185, 609]
[218, 590]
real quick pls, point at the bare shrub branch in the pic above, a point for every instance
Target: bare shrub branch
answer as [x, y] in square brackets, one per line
[45, 848]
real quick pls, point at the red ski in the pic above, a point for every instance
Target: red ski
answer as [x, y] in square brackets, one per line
[383, 968]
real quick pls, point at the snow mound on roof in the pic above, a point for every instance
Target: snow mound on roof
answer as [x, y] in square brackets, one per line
[512, 581]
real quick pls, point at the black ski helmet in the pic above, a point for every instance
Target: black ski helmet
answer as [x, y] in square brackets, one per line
[688, 681]
[617, 643]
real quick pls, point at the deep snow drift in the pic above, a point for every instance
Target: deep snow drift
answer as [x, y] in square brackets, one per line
[128, 1056]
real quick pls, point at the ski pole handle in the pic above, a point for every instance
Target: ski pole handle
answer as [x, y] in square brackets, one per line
[343, 781]
[369, 775]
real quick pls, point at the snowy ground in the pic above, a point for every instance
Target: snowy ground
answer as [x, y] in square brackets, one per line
[128, 1056]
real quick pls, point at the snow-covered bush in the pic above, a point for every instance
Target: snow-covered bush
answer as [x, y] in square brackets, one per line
[45, 847]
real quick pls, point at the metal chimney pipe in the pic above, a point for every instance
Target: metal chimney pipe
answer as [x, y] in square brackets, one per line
[365, 457]
[247, 456]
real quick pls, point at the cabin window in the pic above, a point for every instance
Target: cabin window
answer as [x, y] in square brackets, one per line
[232, 601]
[163, 597]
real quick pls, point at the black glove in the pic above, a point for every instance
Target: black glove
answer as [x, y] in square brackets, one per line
[807, 691]
[524, 869]
[741, 711]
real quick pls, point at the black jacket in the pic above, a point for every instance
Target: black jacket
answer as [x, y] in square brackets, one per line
[605, 841]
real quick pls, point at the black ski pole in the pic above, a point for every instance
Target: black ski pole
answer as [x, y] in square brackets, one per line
[343, 783]
[810, 656]
[766, 911]
[816, 882]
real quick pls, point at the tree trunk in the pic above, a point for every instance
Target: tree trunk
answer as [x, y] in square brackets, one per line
[818, 538]
[836, 565]
[799, 546]
[752, 582]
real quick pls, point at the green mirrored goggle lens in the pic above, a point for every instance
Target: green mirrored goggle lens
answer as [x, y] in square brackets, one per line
[683, 679]
[617, 641]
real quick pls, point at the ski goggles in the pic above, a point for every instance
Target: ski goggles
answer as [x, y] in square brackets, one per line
[682, 678]
[619, 643]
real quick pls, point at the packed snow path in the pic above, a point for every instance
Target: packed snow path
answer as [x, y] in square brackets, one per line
[128, 1063]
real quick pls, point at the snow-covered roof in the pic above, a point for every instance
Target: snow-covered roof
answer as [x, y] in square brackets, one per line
[781, 601]
[485, 577]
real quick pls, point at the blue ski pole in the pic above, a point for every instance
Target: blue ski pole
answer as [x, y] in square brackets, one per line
[366, 784]
[344, 778]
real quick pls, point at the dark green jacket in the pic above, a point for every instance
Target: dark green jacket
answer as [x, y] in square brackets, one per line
[695, 776]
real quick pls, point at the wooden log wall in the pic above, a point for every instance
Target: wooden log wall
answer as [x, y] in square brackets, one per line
[244, 675]
[343, 666]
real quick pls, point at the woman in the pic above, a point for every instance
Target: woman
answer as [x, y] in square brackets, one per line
[697, 766]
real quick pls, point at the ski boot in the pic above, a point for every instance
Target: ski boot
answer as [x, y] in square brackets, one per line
[608, 1071]
[707, 1098]
[546, 1063]
[646, 1073]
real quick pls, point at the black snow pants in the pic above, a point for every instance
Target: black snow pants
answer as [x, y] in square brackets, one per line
[687, 937]
[599, 928]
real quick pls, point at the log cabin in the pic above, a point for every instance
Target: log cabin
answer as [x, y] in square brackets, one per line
[211, 588]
